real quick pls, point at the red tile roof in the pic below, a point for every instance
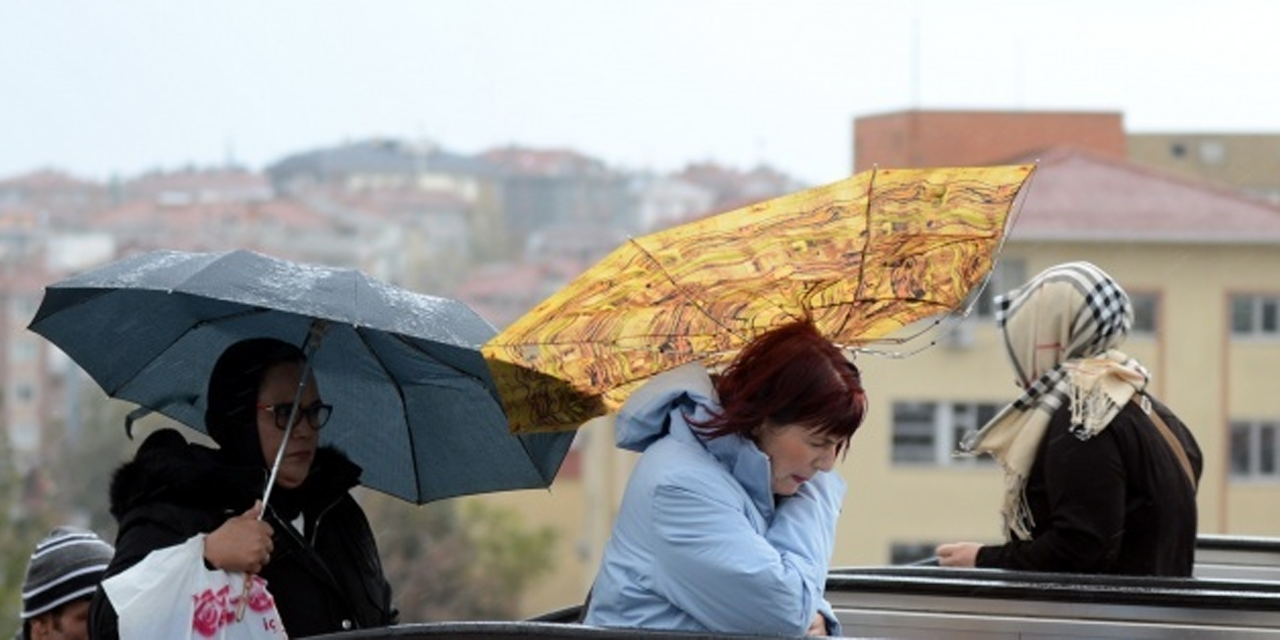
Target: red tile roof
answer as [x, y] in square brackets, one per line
[202, 185]
[501, 292]
[543, 162]
[1080, 195]
[46, 179]
[388, 203]
[193, 218]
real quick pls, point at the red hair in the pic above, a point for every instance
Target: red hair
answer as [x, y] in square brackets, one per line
[790, 375]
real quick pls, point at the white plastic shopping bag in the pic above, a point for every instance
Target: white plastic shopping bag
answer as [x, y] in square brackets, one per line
[170, 594]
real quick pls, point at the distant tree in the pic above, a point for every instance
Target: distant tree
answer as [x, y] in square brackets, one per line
[66, 485]
[510, 557]
[23, 521]
[81, 464]
[13, 560]
[457, 560]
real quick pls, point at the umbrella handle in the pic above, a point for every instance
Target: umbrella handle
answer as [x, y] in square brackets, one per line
[309, 348]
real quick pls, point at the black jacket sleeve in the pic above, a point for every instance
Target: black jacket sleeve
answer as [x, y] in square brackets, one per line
[1119, 502]
[1079, 486]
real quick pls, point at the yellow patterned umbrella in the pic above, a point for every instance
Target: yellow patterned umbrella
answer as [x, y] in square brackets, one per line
[863, 257]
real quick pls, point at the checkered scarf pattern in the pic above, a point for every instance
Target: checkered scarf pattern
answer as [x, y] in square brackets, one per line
[1059, 330]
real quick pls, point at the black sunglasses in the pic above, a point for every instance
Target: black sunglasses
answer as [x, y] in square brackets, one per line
[317, 414]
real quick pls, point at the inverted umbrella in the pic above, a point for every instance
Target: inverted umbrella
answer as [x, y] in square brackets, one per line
[413, 401]
[863, 257]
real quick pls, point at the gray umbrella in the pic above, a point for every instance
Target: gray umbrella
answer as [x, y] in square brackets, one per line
[414, 403]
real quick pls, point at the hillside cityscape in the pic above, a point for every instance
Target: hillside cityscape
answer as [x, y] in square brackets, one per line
[1181, 217]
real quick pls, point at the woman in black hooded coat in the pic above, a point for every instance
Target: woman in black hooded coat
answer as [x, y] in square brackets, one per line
[319, 556]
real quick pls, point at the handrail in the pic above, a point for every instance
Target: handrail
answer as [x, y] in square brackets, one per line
[925, 600]
[1237, 543]
[1062, 587]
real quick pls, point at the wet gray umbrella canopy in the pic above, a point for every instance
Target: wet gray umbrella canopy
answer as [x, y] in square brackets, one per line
[414, 403]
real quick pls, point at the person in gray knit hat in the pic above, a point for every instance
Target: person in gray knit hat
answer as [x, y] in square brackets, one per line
[63, 573]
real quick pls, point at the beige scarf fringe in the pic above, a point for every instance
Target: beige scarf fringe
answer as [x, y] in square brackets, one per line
[1096, 390]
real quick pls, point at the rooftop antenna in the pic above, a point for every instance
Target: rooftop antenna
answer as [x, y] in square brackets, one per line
[229, 152]
[1018, 79]
[915, 57]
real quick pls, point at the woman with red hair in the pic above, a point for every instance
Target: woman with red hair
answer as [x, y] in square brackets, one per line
[729, 518]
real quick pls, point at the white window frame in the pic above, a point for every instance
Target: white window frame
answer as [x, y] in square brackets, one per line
[1212, 152]
[948, 422]
[1260, 310]
[1138, 299]
[1254, 433]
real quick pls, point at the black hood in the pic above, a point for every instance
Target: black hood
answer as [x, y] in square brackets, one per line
[231, 417]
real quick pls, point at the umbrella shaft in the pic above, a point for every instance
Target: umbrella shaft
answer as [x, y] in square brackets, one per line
[313, 342]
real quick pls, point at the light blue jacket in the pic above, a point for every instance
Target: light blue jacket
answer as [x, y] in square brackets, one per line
[699, 543]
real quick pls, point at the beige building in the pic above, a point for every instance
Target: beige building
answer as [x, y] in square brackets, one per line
[1201, 264]
[1246, 161]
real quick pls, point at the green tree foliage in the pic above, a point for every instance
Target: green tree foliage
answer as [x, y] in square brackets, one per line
[13, 553]
[94, 452]
[23, 521]
[67, 484]
[457, 559]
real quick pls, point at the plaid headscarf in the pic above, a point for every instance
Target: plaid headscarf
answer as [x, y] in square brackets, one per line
[1060, 330]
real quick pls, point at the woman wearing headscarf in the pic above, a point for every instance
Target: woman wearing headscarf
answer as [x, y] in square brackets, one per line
[728, 520]
[311, 543]
[1100, 477]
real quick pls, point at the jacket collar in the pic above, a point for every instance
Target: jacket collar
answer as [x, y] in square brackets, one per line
[664, 405]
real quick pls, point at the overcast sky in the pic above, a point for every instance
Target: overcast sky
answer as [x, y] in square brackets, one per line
[117, 87]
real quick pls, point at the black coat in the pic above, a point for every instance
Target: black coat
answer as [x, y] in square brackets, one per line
[1118, 503]
[325, 579]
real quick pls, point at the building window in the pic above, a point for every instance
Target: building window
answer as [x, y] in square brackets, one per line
[23, 307]
[1254, 451]
[1255, 316]
[24, 350]
[1213, 152]
[1178, 150]
[914, 433]
[25, 437]
[912, 552]
[1146, 309]
[928, 433]
[1008, 274]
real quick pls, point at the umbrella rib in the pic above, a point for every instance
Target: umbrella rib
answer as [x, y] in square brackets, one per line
[685, 292]
[225, 255]
[862, 263]
[524, 446]
[697, 305]
[194, 327]
[360, 334]
[400, 391]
